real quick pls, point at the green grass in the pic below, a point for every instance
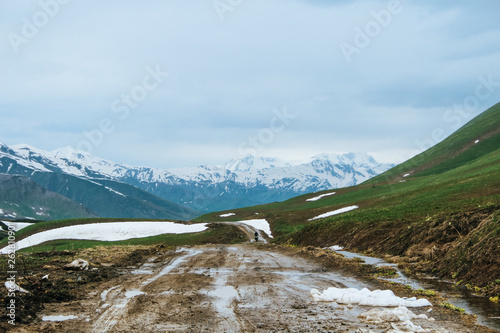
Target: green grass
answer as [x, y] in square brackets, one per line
[452, 307]
[456, 150]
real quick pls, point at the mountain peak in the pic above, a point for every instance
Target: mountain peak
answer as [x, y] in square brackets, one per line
[357, 158]
[68, 152]
[251, 162]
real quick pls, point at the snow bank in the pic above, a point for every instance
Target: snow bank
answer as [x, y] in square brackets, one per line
[110, 232]
[321, 196]
[260, 224]
[16, 225]
[366, 297]
[58, 318]
[335, 248]
[401, 313]
[335, 212]
[400, 319]
[227, 215]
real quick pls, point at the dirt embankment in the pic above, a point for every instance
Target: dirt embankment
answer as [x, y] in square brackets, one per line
[217, 288]
[455, 246]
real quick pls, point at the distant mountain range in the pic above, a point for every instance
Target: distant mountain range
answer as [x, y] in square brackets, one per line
[109, 189]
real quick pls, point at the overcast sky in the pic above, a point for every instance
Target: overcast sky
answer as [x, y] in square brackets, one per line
[187, 82]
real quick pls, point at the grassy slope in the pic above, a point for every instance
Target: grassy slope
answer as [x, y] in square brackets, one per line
[445, 213]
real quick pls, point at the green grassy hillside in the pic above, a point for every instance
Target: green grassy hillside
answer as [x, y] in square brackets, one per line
[458, 149]
[443, 217]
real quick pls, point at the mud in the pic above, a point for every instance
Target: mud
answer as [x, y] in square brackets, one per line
[238, 288]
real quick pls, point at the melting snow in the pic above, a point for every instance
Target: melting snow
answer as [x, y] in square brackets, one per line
[384, 298]
[111, 190]
[12, 286]
[321, 196]
[128, 296]
[400, 319]
[16, 225]
[110, 232]
[406, 175]
[58, 318]
[335, 212]
[477, 141]
[260, 224]
[105, 293]
[335, 248]
[227, 215]
[400, 313]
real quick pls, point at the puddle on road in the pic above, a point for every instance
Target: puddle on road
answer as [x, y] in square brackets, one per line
[224, 297]
[487, 312]
[145, 269]
[173, 264]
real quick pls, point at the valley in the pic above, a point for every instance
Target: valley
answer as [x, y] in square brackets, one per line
[435, 215]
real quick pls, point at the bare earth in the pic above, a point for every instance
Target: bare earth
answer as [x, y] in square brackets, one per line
[234, 288]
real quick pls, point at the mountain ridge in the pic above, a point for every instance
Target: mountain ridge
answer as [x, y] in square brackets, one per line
[237, 183]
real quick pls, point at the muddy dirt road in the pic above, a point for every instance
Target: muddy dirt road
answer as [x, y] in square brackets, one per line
[239, 288]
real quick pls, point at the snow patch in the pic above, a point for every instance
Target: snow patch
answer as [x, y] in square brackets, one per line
[477, 141]
[400, 313]
[335, 248]
[227, 215]
[114, 231]
[12, 286]
[16, 225]
[400, 319]
[335, 212]
[260, 224]
[383, 298]
[128, 296]
[114, 191]
[406, 175]
[58, 318]
[321, 196]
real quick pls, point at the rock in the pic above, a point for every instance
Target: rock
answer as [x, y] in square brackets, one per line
[12, 286]
[50, 267]
[78, 264]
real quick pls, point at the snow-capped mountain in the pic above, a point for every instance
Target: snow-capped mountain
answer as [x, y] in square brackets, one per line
[73, 186]
[242, 182]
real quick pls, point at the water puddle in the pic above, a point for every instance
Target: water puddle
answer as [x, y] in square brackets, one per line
[145, 269]
[174, 264]
[224, 296]
[377, 262]
[487, 312]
